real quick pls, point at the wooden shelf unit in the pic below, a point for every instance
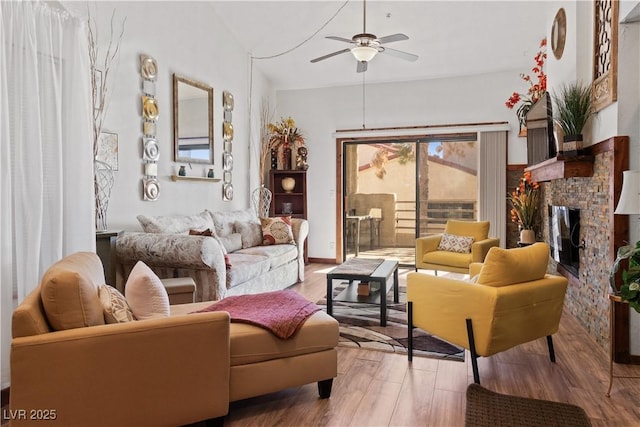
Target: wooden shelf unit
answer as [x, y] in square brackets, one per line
[297, 197]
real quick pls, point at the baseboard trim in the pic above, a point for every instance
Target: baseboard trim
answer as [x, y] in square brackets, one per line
[5, 396]
[323, 260]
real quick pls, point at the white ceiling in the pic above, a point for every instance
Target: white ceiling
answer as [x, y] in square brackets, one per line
[451, 38]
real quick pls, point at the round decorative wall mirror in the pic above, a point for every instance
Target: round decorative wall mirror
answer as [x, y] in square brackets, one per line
[559, 33]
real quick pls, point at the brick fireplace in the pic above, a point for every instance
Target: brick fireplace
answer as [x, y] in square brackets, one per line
[602, 233]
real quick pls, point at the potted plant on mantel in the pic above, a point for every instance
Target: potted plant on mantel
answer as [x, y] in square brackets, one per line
[574, 108]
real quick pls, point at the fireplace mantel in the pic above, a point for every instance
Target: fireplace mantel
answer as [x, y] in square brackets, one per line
[560, 167]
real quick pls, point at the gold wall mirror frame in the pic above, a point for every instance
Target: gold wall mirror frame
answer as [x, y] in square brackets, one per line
[192, 121]
[559, 33]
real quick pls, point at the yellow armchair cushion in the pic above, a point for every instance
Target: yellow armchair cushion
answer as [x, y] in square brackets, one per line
[454, 259]
[479, 230]
[504, 267]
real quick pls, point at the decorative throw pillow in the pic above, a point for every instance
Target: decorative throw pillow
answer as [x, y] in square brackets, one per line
[250, 233]
[206, 232]
[276, 231]
[115, 306]
[232, 242]
[453, 243]
[69, 292]
[176, 224]
[145, 293]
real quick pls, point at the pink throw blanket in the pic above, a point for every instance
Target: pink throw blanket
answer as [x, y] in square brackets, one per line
[281, 312]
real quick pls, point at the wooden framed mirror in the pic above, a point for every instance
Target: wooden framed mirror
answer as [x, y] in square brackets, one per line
[192, 121]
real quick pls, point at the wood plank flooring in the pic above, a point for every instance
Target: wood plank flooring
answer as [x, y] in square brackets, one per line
[384, 389]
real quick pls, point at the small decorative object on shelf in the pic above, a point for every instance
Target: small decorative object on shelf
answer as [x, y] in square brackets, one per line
[274, 159]
[182, 171]
[288, 184]
[287, 208]
[524, 201]
[284, 137]
[301, 160]
[536, 88]
[210, 174]
[574, 108]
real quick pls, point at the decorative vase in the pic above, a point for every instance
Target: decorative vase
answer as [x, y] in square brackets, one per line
[274, 159]
[286, 162]
[182, 171]
[288, 184]
[103, 183]
[527, 236]
[572, 145]
[261, 198]
[210, 174]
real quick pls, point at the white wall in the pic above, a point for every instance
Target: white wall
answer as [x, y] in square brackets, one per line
[320, 112]
[188, 39]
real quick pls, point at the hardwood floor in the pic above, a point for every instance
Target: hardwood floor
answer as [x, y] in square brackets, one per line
[384, 389]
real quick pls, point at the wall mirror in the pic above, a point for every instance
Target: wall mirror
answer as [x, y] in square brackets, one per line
[192, 121]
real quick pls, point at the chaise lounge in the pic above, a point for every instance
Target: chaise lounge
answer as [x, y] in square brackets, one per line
[175, 370]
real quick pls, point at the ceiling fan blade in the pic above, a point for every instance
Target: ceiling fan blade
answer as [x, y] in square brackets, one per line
[400, 54]
[329, 55]
[340, 39]
[393, 38]
[362, 66]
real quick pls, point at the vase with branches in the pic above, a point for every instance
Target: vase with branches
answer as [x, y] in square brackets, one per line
[537, 86]
[285, 135]
[100, 76]
[261, 196]
[525, 206]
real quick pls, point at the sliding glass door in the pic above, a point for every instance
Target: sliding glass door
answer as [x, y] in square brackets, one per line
[396, 190]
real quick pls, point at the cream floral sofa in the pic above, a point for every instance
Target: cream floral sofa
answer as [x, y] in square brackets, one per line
[232, 261]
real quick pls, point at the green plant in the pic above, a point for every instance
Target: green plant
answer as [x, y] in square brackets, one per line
[574, 107]
[630, 289]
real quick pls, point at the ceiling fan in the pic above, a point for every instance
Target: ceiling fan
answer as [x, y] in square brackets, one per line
[367, 45]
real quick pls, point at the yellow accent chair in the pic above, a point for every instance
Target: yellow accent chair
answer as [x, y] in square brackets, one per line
[513, 301]
[429, 257]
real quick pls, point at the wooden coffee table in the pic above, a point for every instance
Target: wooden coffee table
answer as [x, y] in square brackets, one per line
[357, 270]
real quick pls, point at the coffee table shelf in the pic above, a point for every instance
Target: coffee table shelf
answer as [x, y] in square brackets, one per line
[350, 294]
[386, 274]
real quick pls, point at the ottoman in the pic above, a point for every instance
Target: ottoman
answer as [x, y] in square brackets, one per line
[262, 363]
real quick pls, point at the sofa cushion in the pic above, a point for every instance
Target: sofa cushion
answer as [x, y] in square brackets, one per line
[245, 267]
[277, 254]
[176, 224]
[224, 221]
[69, 292]
[503, 267]
[478, 229]
[115, 306]
[277, 230]
[454, 259]
[453, 243]
[250, 232]
[145, 293]
[252, 344]
[231, 242]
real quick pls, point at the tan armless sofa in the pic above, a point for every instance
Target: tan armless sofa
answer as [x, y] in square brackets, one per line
[167, 371]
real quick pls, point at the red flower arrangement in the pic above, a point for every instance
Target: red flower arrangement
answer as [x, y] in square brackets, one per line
[524, 202]
[537, 85]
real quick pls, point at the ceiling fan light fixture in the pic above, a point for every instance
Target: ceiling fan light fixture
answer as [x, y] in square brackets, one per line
[364, 53]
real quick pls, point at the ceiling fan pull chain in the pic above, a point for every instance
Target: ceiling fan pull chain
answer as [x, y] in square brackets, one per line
[363, 100]
[364, 16]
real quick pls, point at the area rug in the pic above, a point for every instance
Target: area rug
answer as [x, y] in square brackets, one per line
[360, 328]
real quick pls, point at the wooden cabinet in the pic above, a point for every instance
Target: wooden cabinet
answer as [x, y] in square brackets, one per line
[286, 200]
[106, 250]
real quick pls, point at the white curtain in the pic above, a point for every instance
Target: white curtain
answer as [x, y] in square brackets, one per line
[46, 167]
[493, 183]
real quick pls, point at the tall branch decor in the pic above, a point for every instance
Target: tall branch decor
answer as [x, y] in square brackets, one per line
[100, 74]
